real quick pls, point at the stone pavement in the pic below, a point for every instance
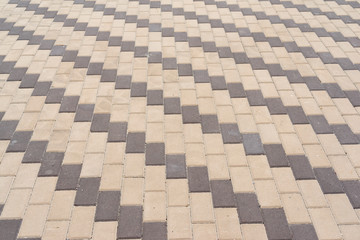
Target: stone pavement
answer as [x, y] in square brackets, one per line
[182, 119]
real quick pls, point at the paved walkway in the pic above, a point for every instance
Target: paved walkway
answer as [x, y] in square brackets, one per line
[183, 119]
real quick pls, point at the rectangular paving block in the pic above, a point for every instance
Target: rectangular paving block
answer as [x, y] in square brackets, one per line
[69, 104]
[107, 207]
[190, 114]
[303, 232]
[51, 164]
[41, 89]
[130, 223]
[276, 155]
[230, 133]
[328, 180]
[222, 193]
[100, 123]
[210, 124]
[198, 179]
[275, 106]
[344, 134]
[218, 83]
[135, 142]
[19, 141]
[155, 154]
[9, 229]
[175, 166]
[69, 177]
[352, 190]
[255, 98]
[123, 82]
[138, 89]
[155, 231]
[7, 129]
[252, 144]
[297, 115]
[301, 167]
[84, 113]
[155, 97]
[87, 191]
[172, 106]
[248, 208]
[117, 132]
[276, 224]
[320, 124]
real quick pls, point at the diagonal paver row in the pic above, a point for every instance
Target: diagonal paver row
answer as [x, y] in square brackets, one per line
[195, 119]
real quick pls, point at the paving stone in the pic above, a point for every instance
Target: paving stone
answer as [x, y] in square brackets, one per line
[201, 76]
[57, 50]
[7, 129]
[276, 155]
[35, 152]
[210, 124]
[301, 167]
[9, 229]
[303, 232]
[198, 179]
[218, 83]
[155, 57]
[155, 231]
[334, 90]
[87, 191]
[236, 90]
[352, 190]
[84, 113]
[328, 180]
[172, 106]
[130, 222]
[41, 89]
[155, 97]
[117, 132]
[7, 67]
[252, 144]
[135, 142]
[17, 74]
[230, 133]
[175, 166]
[344, 134]
[19, 141]
[69, 104]
[100, 123]
[69, 56]
[155, 154]
[313, 83]
[55, 95]
[255, 98]
[29, 80]
[276, 224]
[222, 193]
[51, 164]
[108, 75]
[82, 62]
[275, 106]
[297, 115]
[138, 89]
[95, 68]
[103, 36]
[190, 114]
[123, 82]
[141, 52]
[68, 177]
[248, 208]
[320, 124]
[354, 97]
[107, 207]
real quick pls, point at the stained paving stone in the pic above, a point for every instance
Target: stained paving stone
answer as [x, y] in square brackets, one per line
[297, 115]
[198, 179]
[7, 129]
[155, 97]
[41, 89]
[100, 123]
[117, 132]
[123, 82]
[9, 229]
[276, 224]
[236, 90]
[222, 193]
[155, 231]
[328, 180]
[130, 223]
[87, 192]
[352, 190]
[69, 104]
[138, 89]
[301, 167]
[255, 98]
[344, 134]
[135, 142]
[275, 106]
[276, 155]
[51, 164]
[29, 80]
[107, 207]
[320, 124]
[108, 75]
[303, 232]
[69, 177]
[175, 166]
[230, 133]
[252, 144]
[19, 141]
[210, 124]
[35, 152]
[248, 208]
[155, 154]
[84, 113]
[190, 114]
[55, 95]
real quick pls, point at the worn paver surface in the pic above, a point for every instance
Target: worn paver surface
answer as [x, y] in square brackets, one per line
[179, 119]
